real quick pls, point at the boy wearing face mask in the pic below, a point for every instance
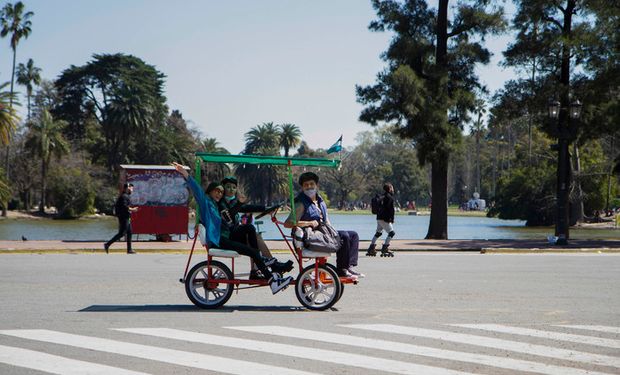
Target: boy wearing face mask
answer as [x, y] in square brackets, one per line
[311, 211]
[230, 206]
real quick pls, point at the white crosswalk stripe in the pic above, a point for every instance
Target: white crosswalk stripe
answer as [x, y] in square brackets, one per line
[490, 342]
[487, 360]
[177, 357]
[298, 351]
[54, 364]
[609, 343]
[607, 329]
[469, 352]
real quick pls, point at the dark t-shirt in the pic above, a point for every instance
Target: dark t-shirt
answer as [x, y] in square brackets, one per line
[122, 206]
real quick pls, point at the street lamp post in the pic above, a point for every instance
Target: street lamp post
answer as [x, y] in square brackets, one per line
[563, 115]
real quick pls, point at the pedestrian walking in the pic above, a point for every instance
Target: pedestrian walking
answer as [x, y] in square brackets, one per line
[385, 222]
[123, 212]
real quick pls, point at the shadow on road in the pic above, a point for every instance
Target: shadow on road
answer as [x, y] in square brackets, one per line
[188, 308]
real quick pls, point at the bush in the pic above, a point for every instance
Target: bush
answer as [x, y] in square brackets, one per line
[105, 197]
[527, 194]
[72, 192]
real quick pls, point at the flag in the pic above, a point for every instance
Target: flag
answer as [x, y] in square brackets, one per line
[336, 147]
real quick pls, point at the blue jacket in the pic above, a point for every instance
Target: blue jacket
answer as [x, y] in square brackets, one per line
[209, 214]
[311, 212]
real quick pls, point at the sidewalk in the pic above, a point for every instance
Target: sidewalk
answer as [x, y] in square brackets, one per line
[481, 246]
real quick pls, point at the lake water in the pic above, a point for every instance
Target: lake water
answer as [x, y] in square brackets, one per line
[406, 227]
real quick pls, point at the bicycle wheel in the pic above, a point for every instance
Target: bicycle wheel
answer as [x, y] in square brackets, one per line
[202, 285]
[318, 290]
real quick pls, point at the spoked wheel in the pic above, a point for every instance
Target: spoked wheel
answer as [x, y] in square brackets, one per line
[202, 286]
[333, 268]
[318, 290]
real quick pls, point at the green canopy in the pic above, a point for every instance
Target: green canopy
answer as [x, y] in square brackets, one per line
[265, 159]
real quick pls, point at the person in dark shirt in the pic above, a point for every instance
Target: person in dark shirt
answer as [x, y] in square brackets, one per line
[230, 206]
[123, 212]
[385, 221]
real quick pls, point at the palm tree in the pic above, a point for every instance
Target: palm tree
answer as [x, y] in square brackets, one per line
[213, 171]
[290, 136]
[5, 192]
[262, 182]
[262, 139]
[8, 123]
[478, 131]
[8, 115]
[45, 140]
[17, 24]
[27, 75]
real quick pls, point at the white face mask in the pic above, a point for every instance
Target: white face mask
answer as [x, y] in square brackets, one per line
[310, 192]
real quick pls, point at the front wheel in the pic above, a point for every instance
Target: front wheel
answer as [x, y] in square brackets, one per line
[202, 286]
[318, 289]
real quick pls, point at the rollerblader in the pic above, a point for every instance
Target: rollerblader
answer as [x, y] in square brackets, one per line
[385, 221]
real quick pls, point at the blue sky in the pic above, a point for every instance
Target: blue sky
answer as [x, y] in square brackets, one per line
[231, 65]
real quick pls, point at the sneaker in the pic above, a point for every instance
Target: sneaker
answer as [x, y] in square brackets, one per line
[278, 283]
[343, 272]
[354, 272]
[256, 275]
[106, 247]
[269, 261]
[282, 267]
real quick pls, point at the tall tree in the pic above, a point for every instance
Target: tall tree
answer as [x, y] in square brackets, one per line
[290, 137]
[8, 115]
[28, 75]
[559, 32]
[45, 140]
[262, 182]
[8, 123]
[213, 171]
[16, 24]
[426, 91]
[122, 93]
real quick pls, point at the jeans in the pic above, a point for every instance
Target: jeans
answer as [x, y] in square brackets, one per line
[348, 253]
[124, 229]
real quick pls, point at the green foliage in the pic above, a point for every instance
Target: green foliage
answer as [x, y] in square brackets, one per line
[5, 189]
[72, 192]
[526, 194]
[125, 97]
[8, 115]
[27, 75]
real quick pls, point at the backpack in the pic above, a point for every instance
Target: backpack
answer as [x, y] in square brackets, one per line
[375, 204]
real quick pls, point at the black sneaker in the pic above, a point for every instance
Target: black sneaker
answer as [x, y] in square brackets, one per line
[256, 275]
[282, 267]
[278, 283]
[269, 261]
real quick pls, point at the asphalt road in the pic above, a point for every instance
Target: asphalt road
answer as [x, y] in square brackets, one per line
[401, 318]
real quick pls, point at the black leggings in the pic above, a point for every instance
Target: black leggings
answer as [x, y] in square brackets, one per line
[245, 234]
[228, 244]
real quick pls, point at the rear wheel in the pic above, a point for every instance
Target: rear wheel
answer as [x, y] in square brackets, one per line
[202, 286]
[318, 289]
[333, 268]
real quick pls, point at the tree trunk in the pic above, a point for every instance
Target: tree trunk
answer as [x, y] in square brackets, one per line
[577, 204]
[43, 186]
[438, 225]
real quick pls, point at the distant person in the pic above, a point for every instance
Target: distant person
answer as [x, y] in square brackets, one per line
[123, 211]
[385, 222]
[311, 211]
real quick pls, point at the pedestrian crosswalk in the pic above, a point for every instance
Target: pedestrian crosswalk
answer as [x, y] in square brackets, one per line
[351, 348]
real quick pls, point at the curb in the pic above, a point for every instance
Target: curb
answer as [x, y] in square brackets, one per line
[603, 250]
